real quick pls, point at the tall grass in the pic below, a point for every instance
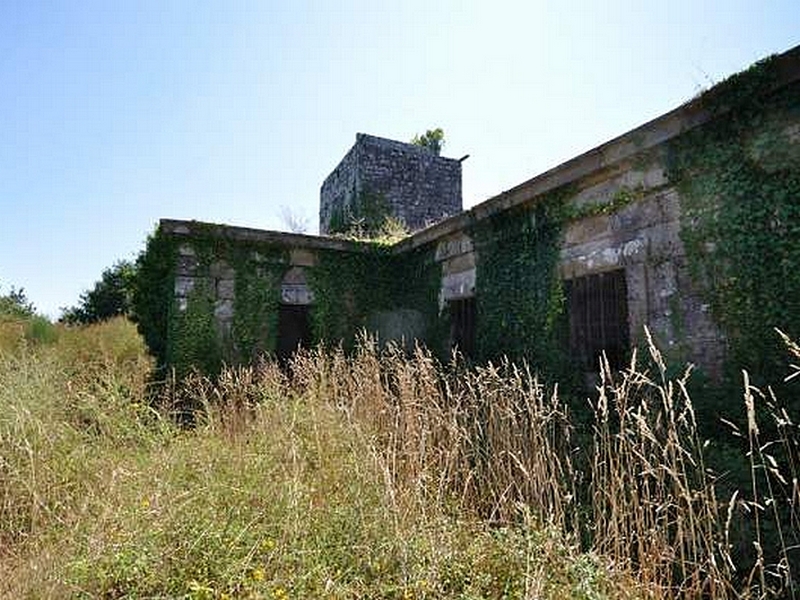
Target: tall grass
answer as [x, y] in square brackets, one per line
[376, 474]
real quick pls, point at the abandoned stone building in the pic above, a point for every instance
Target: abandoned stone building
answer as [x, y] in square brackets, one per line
[668, 226]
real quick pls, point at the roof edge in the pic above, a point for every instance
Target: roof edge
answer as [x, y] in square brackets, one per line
[659, 130]
[176, 227]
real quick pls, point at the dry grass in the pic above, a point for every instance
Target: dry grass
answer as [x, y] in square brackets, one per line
[372, 475]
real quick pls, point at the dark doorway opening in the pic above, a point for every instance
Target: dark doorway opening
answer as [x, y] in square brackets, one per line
[598, 318]
[462, 326]
[294, 329]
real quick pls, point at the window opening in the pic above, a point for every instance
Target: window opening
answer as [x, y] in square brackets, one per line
[462, 326]
[598, 318]
[294, 329]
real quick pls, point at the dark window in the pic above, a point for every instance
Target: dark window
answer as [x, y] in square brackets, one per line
[294, 329]
[598, 318]
[462, 326]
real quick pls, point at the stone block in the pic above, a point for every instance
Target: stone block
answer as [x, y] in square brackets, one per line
[298, 294]
[223, 310]
[184, 286]
[403, 326]
[459, 264]
[220, 269]
[458, 285]
[302, 258]
[226, 289]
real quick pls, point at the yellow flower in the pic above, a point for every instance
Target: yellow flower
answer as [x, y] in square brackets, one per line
[144, 503]
[268, 544]
[258, 574]
[279, 593]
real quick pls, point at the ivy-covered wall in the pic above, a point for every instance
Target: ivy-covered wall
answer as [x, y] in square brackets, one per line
[520, 303]
[210, 294]
[351, 290]
[206, 297]
[738, 178]
[700, 209]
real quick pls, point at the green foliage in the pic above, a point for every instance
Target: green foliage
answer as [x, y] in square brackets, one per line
[188, 336]
[349, 287]
[621, 198]
[16, 304]
[432, 139]
[20, 326]
[153, 291]
[739, 183]
[520, 301]
[363, 216]
[39, 330]
[258, 289]
[110, 297]
[193, 338]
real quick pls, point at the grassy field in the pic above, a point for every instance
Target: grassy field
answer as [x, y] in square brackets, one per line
[377, 475]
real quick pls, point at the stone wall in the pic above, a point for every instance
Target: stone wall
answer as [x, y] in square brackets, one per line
[623, 216]
[643, 239]
[419, 187]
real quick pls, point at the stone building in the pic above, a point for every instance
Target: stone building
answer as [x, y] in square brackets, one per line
[417, 187]
[572, 262]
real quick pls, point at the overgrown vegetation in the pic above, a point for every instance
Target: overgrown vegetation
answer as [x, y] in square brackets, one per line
[367, 215]
[432, 140]
[739, 183]
[351, 287]
[183, 333]
[372, 475]
[521, 308]
[111, 296]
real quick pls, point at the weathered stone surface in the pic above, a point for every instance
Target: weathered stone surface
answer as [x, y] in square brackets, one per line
[298, 294]
[223, 310]
[458, 264]
[184, 286]
[458, 285]
[420, 187]
[453, 246]
[403, 326]
[226, 289]
[220, 269]
[302, 258]
[295, 275]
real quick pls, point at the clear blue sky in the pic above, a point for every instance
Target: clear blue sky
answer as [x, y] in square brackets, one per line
[114, 114]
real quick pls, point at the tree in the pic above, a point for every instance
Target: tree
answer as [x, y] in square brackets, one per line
[16, 304]
[296, 222]
[111, 296]
[433, 140]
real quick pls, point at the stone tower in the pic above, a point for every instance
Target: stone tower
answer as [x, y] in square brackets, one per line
[409, 182]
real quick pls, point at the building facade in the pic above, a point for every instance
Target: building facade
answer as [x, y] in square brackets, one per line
[652, 229]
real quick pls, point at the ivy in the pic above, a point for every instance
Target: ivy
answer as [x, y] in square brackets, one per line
[193, 339]
[350, 287]
[520, 298]
[153, 292]
[182, 337]
[362, 216]
[738, 178]
[255, 317]
[621, 198]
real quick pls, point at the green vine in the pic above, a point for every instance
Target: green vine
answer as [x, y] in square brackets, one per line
[738, 178]
[153, 291]
[364, 215]
[621, 198]
[520, 299]
[350, 287]
[194, 340]
[182, 337]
